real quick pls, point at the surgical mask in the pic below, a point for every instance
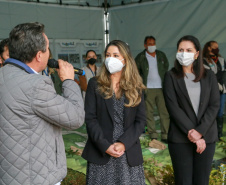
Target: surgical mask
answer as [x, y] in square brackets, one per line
[92, 61]
[113, 64]
[185, 58]
[151, 49]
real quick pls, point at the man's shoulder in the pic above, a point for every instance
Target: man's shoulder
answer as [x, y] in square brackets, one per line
[158, 52]
[140, 55]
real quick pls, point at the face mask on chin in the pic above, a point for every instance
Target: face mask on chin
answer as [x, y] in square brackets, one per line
[185, 58]
[113, 64]
[151, 49]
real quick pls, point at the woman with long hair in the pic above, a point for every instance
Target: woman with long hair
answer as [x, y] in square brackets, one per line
[192, 99]
[115, 118]
[214, 62]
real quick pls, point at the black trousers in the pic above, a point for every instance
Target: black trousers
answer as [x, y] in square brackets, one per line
[191, 168]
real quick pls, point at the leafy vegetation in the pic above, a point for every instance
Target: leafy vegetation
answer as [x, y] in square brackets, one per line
[74, 178]
[165, 174]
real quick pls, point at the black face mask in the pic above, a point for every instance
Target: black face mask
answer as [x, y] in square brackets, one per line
[92, 61]
[215, 51]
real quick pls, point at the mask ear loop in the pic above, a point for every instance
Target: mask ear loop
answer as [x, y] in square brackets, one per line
[196, 56]
[121, 61]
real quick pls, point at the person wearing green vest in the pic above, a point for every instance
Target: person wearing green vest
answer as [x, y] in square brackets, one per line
[152, 65]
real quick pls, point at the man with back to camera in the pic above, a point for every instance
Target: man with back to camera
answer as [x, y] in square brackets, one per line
[4, 51]
[32, 114]
[152, 65]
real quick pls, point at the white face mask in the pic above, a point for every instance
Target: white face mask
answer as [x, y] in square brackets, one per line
[113, 64]
[185, 58]
[151, 49]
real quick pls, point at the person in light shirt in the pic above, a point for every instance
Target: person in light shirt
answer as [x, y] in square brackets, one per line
[152, 65]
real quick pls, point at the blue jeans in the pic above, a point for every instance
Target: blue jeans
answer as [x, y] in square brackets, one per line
[221, 110]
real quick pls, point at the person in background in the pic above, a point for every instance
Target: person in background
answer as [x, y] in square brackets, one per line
[90, 69]
[216, 63]
[32, 114]
[4, 51]
[192, 99]
[55, 77]
[115, 118]
[152, 65]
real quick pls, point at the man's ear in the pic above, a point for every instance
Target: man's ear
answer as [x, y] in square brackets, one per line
[38, 56]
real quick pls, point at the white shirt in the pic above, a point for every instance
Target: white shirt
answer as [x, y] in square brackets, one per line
[34, 71]
[153, 80]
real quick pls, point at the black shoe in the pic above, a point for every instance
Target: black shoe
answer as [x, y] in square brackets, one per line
[164, 141]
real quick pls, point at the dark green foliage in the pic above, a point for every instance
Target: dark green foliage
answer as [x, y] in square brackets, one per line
[74, 178]
[218, 176]
[145, 142]
[222, 144]
[70, 152]
[164, 175]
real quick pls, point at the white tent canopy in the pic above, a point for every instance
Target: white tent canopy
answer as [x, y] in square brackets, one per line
[167, 20]
[91, 3]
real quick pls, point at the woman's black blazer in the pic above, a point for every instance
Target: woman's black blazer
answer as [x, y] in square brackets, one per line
[99, 114]
[182, 115]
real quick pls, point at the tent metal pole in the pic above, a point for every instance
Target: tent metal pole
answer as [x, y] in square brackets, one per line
[106, 34]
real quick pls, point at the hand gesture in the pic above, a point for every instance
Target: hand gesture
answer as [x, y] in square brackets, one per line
[112, 152]
[194, 136]
[201, 145]
[119, 147]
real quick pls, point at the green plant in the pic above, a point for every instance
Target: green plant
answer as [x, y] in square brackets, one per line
[165, 175]
[218, 176]
[222, 144]
[144, 142]
[70, 152]
[162, 174]
[151, 166]
[74, 178]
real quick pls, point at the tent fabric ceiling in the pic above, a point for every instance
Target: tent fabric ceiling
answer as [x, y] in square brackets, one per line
[91, 3]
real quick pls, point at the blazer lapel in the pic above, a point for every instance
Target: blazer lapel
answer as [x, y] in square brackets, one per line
[183, 88]
[202, 96]
[126, 111]
[110, 107]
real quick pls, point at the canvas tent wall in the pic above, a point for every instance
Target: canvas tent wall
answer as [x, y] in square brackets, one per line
[60, 21]
[167, 20]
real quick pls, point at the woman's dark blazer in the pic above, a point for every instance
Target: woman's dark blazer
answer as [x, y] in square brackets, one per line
[182, 115]
[99, 114]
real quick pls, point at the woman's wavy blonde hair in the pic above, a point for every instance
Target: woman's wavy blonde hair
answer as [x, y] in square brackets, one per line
[130, 83]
